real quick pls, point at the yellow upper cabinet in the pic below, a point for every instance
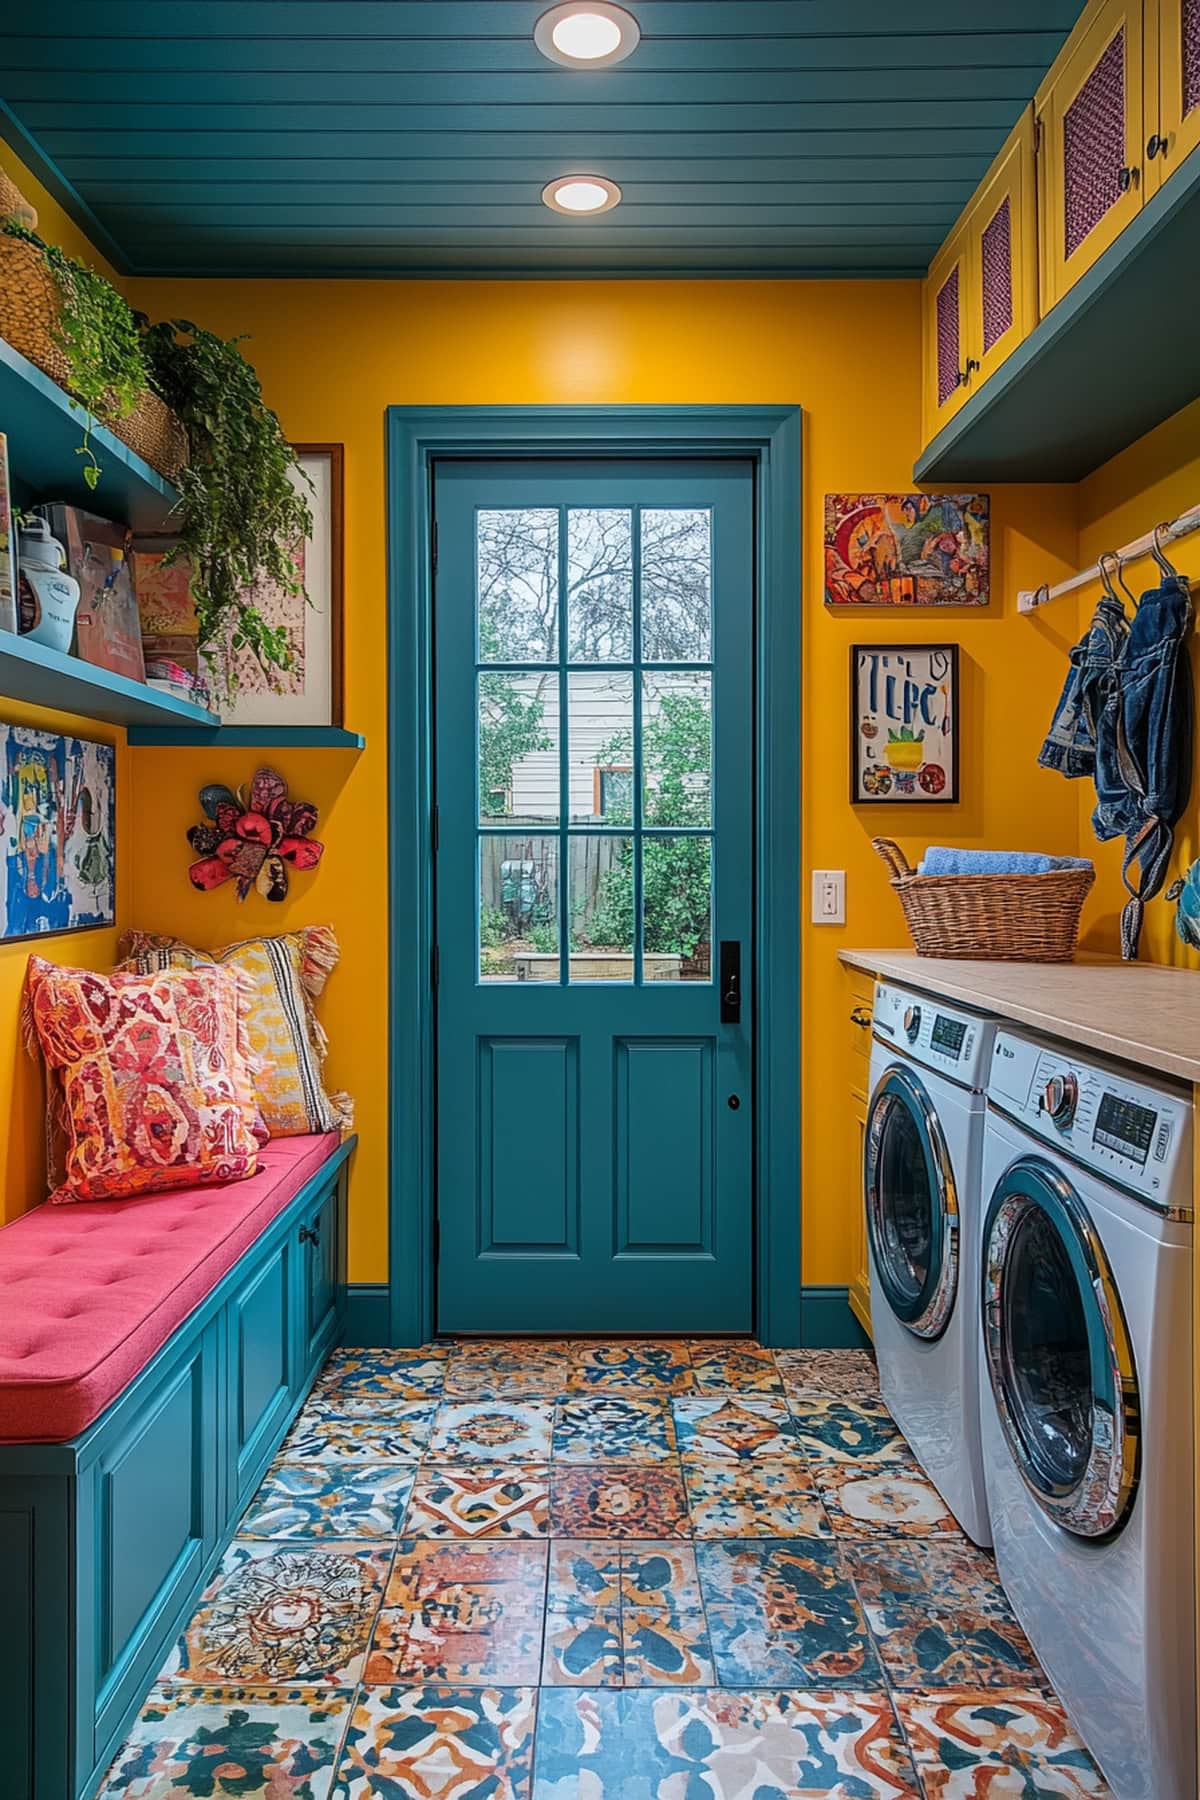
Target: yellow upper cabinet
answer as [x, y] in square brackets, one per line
[980, 295]
[1091, 118]
[1172, 86]
[1002, 254]
[945, 331]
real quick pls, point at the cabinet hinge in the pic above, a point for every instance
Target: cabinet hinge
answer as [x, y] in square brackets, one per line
[435, 965]
[433, 545]
[1038, 131]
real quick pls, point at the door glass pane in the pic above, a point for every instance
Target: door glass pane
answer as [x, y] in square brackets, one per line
[676, 545]
[600, 908]
[906, 1206]
[600, 583]
[517, 583]
[1047, 1366]
[677, 748]
[518, 746]
[600, 747]
[676, 909]
[518, 907]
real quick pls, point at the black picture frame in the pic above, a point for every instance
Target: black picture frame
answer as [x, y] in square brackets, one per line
[896, 785]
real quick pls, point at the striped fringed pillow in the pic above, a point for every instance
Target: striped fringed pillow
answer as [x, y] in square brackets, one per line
[287, 974]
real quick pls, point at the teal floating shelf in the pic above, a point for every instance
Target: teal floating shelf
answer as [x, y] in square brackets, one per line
[45, 429]
[39, 676]
[1118, 354]
[245, 737]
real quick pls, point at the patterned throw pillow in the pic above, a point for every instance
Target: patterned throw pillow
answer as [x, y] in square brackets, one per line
[156, 1084]
[283, 976]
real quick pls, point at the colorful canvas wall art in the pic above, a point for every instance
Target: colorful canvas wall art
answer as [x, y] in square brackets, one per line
[904, 724]
[309, 692]
[906, 550]
[57, 833]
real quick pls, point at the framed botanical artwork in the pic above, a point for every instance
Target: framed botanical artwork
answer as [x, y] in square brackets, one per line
[906, 550]
[58, 844]
[904, 723]
[310, 691]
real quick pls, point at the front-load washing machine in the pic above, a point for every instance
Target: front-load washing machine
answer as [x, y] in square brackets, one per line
[921, 1173]
[1086, 1398]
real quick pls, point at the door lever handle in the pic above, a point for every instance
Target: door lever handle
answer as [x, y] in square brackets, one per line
[730, 978]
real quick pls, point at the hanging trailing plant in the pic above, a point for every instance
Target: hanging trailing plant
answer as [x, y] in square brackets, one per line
[239, 518]
[97, 331]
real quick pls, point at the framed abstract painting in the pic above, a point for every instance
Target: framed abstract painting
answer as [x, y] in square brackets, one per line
[906, 550]
[58, 845]
[904, 723]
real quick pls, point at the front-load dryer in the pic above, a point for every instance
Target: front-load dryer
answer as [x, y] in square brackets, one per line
[921, 1173]
[1086, 1398]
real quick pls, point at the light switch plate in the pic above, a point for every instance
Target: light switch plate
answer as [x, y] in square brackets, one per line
[829, 896]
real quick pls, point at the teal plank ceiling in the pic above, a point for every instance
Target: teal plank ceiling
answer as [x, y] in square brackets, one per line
[406, 137]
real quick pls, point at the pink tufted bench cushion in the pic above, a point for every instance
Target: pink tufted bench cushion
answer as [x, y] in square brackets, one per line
[89, 1292]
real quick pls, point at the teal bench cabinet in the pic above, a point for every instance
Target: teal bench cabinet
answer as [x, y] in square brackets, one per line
[108, 1537]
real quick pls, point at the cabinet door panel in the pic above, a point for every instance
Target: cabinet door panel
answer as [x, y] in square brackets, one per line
[321, 1276]
[1178, 83]
[947, 306]
[1093, 149]
[1003, 253]
[860, 1279]
[259, 1366]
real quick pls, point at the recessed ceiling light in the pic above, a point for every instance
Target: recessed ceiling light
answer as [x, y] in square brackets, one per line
[586, 34]
[577, 194]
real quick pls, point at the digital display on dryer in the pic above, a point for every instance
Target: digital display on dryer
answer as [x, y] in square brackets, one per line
[948, 1034]
[1124, 1126]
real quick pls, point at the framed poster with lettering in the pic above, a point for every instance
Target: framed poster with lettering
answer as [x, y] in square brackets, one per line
[904, 723]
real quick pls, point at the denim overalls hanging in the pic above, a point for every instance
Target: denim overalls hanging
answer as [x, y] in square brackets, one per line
[1125, 716]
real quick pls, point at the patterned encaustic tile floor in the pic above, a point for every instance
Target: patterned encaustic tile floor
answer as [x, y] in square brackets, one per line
[575, 1570]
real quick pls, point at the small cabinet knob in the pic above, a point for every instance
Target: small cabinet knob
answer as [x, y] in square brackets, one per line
[972, 368]
[310, 1234]
[860, 1017]
[1128, 177]
[1156, 146]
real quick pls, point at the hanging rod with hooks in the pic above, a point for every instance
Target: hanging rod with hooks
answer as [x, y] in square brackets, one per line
[1028, 600]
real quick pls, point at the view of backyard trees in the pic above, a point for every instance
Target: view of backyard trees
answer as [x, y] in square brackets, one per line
[615, 652]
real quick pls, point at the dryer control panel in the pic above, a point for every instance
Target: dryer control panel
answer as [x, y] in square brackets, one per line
[934, 1033]
[1136, 1132]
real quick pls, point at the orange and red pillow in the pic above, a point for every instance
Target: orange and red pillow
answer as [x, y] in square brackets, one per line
[157, 1086]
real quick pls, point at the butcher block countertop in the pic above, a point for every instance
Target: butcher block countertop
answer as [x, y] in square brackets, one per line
[1143, 1013]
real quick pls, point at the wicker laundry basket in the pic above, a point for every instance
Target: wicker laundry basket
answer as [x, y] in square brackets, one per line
[1007, 918]
[29, 308]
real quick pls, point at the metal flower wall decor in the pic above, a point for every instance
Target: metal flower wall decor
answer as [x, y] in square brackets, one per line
[253, 839]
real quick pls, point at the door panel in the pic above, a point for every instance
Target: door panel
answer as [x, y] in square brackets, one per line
[946, 304]
[1174, 78]
[593, 776]
[1004, 253]
[1093, 144]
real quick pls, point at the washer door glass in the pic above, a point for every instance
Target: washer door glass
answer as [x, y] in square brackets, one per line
[1058, 1351]
[911, 1204]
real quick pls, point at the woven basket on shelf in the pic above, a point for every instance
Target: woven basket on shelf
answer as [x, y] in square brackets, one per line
[29, 308]
[1009, 918]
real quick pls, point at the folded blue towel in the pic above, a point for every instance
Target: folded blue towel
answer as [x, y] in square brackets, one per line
[939, 860]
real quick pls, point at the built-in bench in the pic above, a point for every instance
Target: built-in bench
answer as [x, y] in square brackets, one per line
[153, 1353]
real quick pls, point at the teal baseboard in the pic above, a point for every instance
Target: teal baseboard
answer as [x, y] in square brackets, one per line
[826, 1321]
[366, 1319]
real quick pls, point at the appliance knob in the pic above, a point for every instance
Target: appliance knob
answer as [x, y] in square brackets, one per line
[1060, 1097]
[912, 1023]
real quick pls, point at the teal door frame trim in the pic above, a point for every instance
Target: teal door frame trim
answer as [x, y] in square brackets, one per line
[770, 438]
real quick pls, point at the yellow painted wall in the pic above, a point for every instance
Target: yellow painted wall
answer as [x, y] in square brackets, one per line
[1157, 478]
[22, 1163]
[332, 355]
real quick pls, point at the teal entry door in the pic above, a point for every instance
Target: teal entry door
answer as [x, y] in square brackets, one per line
[593, 769]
